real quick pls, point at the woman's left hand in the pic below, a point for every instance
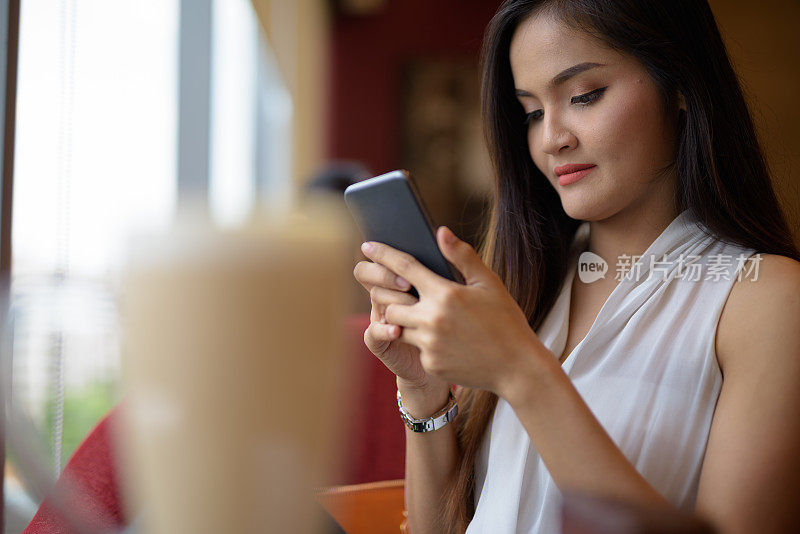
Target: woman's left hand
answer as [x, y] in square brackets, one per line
[475, 334]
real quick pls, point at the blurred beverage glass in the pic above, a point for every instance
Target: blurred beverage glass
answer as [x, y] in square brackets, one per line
[233, 353]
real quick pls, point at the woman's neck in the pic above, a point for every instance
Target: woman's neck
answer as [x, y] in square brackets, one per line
[628, 232]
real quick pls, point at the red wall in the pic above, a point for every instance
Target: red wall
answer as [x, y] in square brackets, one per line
[367, 56]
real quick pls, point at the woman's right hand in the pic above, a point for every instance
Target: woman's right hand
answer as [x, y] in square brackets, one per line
[380, 337]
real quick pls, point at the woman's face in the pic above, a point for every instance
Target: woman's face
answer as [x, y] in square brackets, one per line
[608, 115]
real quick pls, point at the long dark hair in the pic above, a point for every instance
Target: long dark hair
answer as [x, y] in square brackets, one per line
[721, 172]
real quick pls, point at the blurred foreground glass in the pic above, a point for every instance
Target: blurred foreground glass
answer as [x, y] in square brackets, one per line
[233, 352]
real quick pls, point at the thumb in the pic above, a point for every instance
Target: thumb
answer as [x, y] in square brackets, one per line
[462, 255]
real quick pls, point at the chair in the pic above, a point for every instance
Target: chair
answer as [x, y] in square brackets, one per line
[371, 508]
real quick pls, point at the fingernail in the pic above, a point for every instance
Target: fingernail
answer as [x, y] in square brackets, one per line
[403, 283]
[367, 247]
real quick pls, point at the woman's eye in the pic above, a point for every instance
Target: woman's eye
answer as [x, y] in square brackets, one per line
[584, 99]
[532, 116]
[589, 97]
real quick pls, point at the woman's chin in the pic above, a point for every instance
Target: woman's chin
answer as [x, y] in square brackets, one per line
[595, 202]
[584, 209]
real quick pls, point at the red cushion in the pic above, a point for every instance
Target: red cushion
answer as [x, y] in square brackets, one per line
[88, 486]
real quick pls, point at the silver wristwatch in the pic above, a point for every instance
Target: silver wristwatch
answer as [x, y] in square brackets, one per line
[434, 422]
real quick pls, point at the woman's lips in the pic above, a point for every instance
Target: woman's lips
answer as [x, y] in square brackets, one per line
[571, 178]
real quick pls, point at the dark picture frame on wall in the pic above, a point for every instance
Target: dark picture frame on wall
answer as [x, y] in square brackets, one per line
[442, 141]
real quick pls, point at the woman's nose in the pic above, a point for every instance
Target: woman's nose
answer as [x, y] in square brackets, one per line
[555, 135]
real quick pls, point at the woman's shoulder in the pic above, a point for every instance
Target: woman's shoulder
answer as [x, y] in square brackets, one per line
[762, 308]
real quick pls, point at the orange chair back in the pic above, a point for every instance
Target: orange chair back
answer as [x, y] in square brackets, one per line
[371, 508]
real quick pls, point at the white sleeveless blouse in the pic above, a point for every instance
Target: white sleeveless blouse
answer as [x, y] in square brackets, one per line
[647, 369]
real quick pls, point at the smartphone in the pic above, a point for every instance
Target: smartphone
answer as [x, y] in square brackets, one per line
[388, 209]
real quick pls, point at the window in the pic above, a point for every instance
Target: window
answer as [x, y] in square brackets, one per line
[97, 159]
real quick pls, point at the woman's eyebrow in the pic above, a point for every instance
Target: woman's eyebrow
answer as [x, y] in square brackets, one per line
[565, 75]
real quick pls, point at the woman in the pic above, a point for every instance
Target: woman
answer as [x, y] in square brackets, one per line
[658, 390]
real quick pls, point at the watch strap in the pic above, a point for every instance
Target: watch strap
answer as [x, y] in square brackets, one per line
[434, 422]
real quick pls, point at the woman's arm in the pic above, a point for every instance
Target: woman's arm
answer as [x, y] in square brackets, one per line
[477, 336]
[574, 446]
[751, 474]
[431, 457]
